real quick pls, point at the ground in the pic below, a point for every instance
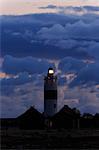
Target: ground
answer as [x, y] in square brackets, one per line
[14, 138]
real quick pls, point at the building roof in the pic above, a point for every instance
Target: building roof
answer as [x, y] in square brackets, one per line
[66, 112]
[30, 113]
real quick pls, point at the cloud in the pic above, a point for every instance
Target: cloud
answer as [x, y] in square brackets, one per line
[19, 79]
[91, 108]
[83, 99]
[44, 33]
[78, 30]
[57, 31]
[72, 9]
[78, 39]
[91, 8]
[79, 10]
[12, 65]
[94, 50]
[22, 97]
[71, 65]
[48, 7]
[62, 81]
[87, 76]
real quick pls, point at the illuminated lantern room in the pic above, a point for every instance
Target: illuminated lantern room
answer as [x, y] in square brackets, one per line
[50, 72]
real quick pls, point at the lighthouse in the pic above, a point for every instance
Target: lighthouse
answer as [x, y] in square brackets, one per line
[50, 93]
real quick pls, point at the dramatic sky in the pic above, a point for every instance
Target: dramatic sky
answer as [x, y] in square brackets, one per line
[37, 34]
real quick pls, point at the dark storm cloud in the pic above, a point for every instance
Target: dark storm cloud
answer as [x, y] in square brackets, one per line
[94, 50]
[71, 65]
[39, 35]
[78, 37]
[12, 65]
[87, 76]
[91, 8]
[87, 73]
[38, 20]
[76, 31]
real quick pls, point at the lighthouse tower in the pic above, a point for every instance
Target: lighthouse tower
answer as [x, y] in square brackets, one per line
[50, 93]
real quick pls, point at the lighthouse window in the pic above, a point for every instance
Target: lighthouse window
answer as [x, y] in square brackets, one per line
[54, 105]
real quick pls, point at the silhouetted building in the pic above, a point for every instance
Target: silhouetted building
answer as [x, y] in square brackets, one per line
[66, 118]
[31, 119]
[50, 93]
